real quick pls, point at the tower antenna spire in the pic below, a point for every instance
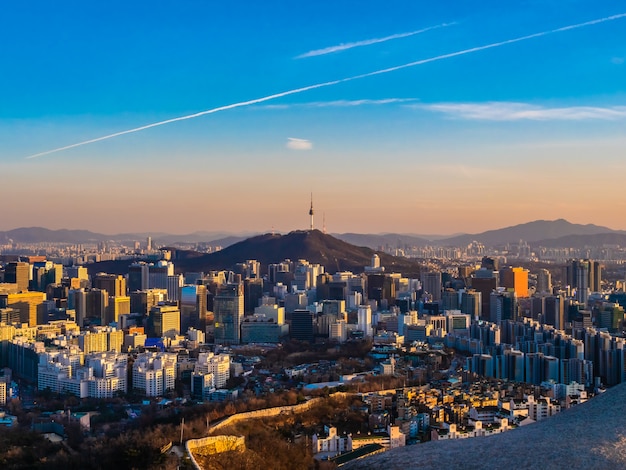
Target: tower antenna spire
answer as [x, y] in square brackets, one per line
[311, 211]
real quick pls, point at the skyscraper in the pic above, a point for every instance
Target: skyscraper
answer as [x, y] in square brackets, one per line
[544, 281]
[585, 276]
[45, 273]
[165, 320]
[18, 273]
[503, 306]
[29, 304]
[228, 311]
[365, 319]
[193, 307]
[485, 281]
[471, 303]
[431, 282]
[554, 311]
[515, 279]
[114, 284]
[301, 327]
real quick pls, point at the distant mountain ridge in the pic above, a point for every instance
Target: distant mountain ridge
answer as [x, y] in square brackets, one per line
[530, 232]
[44, 235]
[535, 232]
[311, 245]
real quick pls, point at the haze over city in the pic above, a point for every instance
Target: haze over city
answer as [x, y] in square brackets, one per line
[398, 116]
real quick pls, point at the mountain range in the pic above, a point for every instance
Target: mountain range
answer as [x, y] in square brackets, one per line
[312, 245]
[537, 233]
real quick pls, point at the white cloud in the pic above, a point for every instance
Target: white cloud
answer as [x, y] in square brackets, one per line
[299, 144]
[511, 111]
[338, 103]
[367, 42]
[349, 103]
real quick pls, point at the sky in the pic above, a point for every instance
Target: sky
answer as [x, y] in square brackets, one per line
[410, 117]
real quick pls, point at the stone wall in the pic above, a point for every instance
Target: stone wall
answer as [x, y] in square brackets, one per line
[214, 445]
[265, 413]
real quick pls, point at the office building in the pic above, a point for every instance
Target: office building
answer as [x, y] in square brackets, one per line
[142, 301]
[165, 320]
[365, 320]
[114, 284]
[117, 306]
[29, 304]
[515, 279]
[431, 284]
[44, 274]
[544, 281]
[484, 281]
[18, 273]
[228, 311]
[174, 283]
[301, 327]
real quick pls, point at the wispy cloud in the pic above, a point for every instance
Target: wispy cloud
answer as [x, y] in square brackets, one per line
[339, 103]
[299, 144]
[368, 42]
[295, 91]
[510, 111]
[617, 60]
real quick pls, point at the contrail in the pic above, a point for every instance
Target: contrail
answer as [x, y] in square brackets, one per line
[336, 82]
[368, 42]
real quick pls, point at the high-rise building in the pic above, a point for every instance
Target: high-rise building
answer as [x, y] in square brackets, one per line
[585, 276]
[485, 281]
[77, 272]
[450, 300]
[503, 306]
[252, 293]
[381, 288]
[18, 273]
[119, 305]
[158, 274]
[301, 327]
[193, 300]
[138, 276]
[471, 303]
[305, 275]
[365, 320]
[554, 311]
[45, 273]
[174, 283]
[29, 304]
[516, 279]
[544, 281]
[114, 284]
[228, 311]
[431, 283]
[142, 301]
[165, 320]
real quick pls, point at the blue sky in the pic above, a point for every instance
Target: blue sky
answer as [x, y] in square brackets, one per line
[476, 141]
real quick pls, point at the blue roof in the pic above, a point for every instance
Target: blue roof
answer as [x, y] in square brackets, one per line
[155, 343]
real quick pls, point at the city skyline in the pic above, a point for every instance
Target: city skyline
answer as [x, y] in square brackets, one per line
[494, 114]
